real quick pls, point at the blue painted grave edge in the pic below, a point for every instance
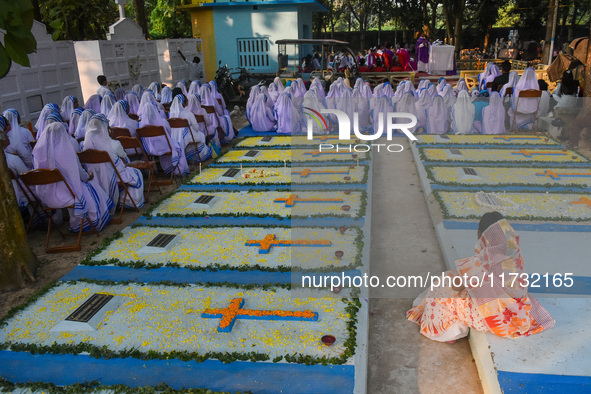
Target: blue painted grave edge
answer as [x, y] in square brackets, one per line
[264, 377]
[515, 382]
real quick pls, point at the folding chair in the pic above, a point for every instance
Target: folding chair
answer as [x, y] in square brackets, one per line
[530, 93]
[33, 143]
[509, 92]
[157, 131]
[210, 109]
[47, 177]
[37, 208]
[119, 132]
[143, 164]
[93, 156]
[180, 123]
[133, 116]
[489, 85]
[201, 119]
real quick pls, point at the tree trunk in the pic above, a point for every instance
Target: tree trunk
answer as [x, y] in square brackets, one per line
[458, 32]
[587, 90]
[139, 7]
[448, 25]
[549, 20]
[17, 261]
[36, 10]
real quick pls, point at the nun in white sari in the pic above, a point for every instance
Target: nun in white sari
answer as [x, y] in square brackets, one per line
[254, 92]
[107, 104]
[208, 129]
[133, 101]
[148, 97]
[155, 88]
[461, 86]
[362, 109]
[54, 150]
[157, 146]
[449, 97]
[261, 116]
[183, 135]
[94, 103]
[289, 117]
[118, 118]
[313, 103]
[75, 119]
[273, 93]
[462, 114]
[24, 135]
[424, 102]
[47, 110]
[407, 104]
[225, 122]
[15, 146]
[68, 105]
[528, 106]
[194, 87]
[97, 137]
[80, 132]
[166, 95]
[493, 115]
[379, 114]
[437, 117]
[317, 83]
[491, 71]
[513, 79]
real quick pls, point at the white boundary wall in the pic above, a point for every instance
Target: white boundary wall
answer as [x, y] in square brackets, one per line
[52, 76]
[172, 66]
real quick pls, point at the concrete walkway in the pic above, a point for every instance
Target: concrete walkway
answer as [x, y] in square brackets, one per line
[403, 242]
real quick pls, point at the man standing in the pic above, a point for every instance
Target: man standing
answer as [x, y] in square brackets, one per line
[104, 88]
[195, 67]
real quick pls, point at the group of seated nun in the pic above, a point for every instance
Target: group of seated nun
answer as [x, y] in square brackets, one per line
[439, 108]
[63, 131]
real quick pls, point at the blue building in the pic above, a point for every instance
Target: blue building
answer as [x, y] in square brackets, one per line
[243, 33]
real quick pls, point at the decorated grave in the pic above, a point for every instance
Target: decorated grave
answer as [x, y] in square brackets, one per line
[513, 205]
[235, 248]
[473, 175]
[554, 156]
[171, 304]
[485, 140]
[292, 141]
[346, 174]
[264, 204]
[282, 156]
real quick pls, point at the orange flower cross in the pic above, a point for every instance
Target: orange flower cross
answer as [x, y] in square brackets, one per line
[234, 311]
[294, 198]
[269, 241]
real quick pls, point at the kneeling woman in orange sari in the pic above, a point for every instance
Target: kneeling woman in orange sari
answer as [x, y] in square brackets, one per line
[499, 304]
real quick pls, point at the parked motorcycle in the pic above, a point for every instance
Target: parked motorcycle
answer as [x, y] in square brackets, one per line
[234, 90]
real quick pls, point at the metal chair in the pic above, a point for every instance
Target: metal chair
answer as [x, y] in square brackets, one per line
[41, 177]
[129, 143]
[529, 93]
[181, 123]
[93, 156]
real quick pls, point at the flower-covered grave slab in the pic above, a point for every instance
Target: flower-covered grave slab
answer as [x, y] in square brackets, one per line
[157, 321]
[290, 155]
[283, 140]
[523, 155]
[284, 204]
[475, 175]
[281, 175]
[504, 139]
[242, 248]
[520, 206]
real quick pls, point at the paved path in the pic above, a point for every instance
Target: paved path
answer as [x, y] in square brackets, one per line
[404, 243]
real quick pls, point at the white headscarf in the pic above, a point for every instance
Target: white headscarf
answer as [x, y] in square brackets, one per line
[82, 123]
[183, 86]
[461, 86]
[493, 115]
[47, 110]
[107, 104]
[449, 96]
[166, 95]
[463, 114]
[118, 118]
[133, 101]
[138, 89]
[437, 116]
[513, 79]
[261, 116]
[94, 103]
[441, 85]
[194, 87]
[277, 81]
[528, 80]
[67, 108]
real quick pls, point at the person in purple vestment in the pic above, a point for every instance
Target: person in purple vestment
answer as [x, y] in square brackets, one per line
[422, 52]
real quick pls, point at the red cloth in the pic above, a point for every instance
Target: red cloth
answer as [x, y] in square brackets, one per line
[403, 59]
[363, 69]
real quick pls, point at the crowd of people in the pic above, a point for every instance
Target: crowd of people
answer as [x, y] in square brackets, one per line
[439, 108]
[63, 131]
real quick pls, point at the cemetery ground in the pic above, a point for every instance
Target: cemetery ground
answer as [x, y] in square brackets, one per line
[404, 241]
